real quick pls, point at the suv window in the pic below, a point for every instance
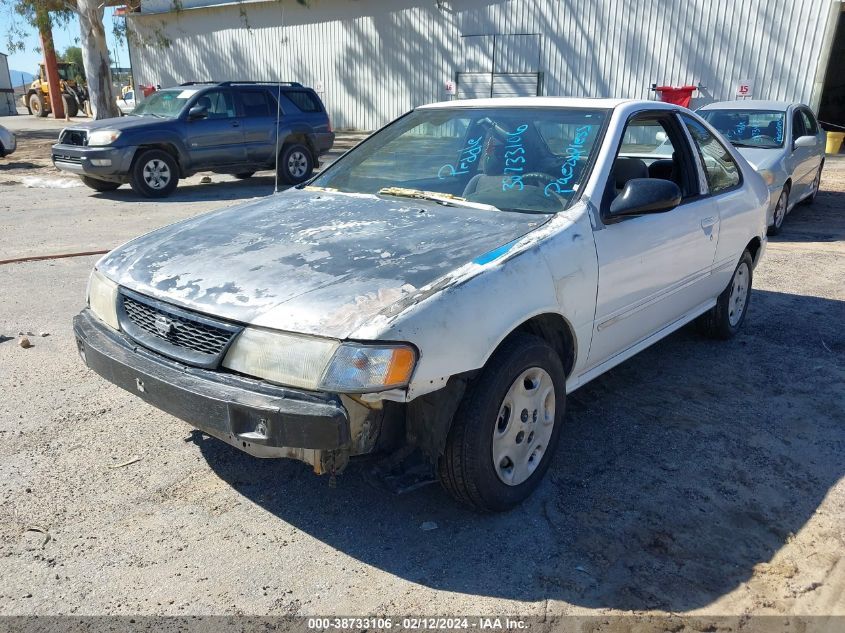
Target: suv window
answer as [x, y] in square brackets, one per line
[810, 126]
[719, 166]
[256, 103]
[303, 100]
[218, 104]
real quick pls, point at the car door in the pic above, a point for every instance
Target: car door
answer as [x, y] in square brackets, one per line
[815, 154]
[802, 157]
[653, 269]
[258, 121]
[216, 139]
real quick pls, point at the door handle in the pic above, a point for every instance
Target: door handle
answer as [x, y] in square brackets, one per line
[706, 223]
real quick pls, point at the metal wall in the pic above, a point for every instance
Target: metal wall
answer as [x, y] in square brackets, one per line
[376, 59]
[7, 95]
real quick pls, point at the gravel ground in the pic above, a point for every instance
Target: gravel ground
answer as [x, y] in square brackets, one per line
[698, 477]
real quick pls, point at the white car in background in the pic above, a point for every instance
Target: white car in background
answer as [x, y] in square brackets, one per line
[784, 143]
[8, 144]
[126, 103]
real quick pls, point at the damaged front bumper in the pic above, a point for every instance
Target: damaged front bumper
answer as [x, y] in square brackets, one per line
[261, 419]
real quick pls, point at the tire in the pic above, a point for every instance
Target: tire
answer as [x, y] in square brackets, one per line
[815, 187]
[780, 211]
[154, 174]
[295, 164]
[488, 462]
[38, 104]
[99, 185]
[71, 107]
[725, 319]
[244, 175]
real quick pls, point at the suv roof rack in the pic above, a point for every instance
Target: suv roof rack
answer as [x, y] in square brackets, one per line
[293, 84]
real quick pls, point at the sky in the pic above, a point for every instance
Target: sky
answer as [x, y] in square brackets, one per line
[63, 36]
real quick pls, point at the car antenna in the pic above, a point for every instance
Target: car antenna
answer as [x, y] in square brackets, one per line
[278, 108]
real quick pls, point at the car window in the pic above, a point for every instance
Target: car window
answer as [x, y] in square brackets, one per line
[797, 125]
[491, 156]
[303, 100]
[653, 147]
[256, 103]
[810, 126]
[748, 128]
[218, 104]
[721, 170]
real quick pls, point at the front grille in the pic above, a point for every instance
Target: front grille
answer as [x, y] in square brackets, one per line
[74, 137]
[64, 158]
[181, 334]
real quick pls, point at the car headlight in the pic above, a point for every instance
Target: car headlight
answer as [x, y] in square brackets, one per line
[320, 364]
[102, 298]
[102, 137]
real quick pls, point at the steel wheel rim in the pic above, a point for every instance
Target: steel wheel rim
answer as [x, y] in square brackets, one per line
[297, 164]
[35, 105]
[156, 174]
[739, 294]
[780, 210]
[523, 427]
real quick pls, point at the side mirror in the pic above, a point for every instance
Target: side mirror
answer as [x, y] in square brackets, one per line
[197, 112]
[645, 195]
[805, 141]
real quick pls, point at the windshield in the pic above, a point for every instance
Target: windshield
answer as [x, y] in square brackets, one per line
[511, 159]
[164, 103]
[748, 128]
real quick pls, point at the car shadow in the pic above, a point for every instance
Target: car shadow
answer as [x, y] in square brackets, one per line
[822, 221]
[677, 472]
[257, 186]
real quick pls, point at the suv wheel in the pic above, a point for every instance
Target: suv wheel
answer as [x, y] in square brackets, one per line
[99, 185]
[154, 174]
[295, 164]
[507, 426]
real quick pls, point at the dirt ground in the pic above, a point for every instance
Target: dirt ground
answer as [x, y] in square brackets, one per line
[696, 478]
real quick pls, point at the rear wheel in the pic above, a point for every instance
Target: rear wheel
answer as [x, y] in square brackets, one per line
[154, 174]
[295, 164]
[99, 185]
[727, 316]
[779, 213]
[244, 175]
[506, 428]
[814, 188]
[38, 104]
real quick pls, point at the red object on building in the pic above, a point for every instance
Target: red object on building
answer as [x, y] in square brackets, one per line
[148, 90]
[679, 96]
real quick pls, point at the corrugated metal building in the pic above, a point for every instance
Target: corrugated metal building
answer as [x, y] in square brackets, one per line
[7, 94]
[373, 60]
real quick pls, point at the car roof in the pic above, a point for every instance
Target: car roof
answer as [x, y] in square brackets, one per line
[511, 102]
[749, 104]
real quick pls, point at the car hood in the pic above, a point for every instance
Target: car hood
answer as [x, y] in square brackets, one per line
[312, 262]
[120, 123]
[760, 158]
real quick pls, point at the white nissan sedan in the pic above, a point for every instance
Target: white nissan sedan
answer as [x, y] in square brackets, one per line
[784, 143]
[439, 289]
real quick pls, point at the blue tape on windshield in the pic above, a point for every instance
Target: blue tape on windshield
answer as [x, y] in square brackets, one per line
[494, 254]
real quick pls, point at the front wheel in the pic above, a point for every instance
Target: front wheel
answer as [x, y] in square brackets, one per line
[779, 213]
[38, 104]
[99, 185]
[724, 319]
[295, 164]
[154, 174]
[71, 107]
[506, 428]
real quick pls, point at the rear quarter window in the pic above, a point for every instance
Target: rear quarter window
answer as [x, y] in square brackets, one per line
[304, 100]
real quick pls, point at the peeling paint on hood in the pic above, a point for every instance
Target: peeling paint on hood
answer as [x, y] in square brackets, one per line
[311, 262]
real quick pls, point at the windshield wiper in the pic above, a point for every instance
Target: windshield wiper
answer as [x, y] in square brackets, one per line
[446, 199]
[738, 144]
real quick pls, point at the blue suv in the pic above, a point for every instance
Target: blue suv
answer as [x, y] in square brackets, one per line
[228, 128]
